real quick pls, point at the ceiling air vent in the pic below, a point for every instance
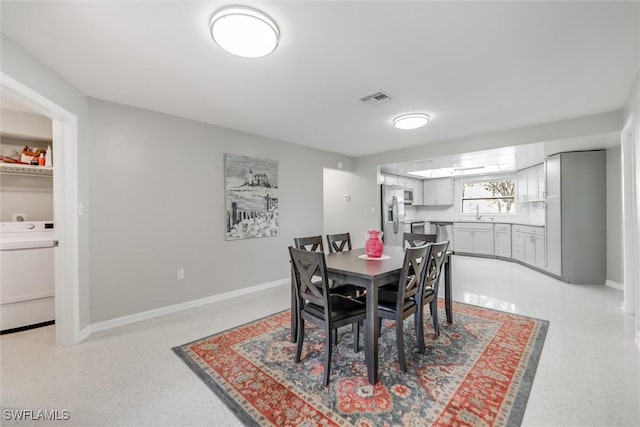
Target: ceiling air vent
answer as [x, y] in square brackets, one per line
[376, 99]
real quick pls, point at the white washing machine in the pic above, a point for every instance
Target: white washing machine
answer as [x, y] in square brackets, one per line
[27, 274]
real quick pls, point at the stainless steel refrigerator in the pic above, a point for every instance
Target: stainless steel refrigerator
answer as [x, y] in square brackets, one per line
[392, 221]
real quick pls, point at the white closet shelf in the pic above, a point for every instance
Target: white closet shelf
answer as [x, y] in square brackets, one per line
[18, 169]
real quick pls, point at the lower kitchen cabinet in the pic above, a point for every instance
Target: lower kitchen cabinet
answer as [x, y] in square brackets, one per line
[463, 239]
[528, 245]
[534, 247]
[517, 243]
[502, 240]
[473, 238]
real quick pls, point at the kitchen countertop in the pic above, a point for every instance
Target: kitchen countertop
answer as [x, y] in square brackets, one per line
[467, 221]
[501, 222]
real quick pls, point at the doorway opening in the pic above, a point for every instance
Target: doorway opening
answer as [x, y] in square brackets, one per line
[65, 209]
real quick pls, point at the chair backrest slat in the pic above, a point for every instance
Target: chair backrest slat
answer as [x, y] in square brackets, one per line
[412, 274]
[307, 266]
[434, 268]
[337, 242]
[313, 243]
[418, 239]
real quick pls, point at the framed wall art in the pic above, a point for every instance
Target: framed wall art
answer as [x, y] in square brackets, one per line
[251, 192]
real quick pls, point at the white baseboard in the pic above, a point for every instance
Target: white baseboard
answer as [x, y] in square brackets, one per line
[125, 320]
[84, 334]
[614, 285]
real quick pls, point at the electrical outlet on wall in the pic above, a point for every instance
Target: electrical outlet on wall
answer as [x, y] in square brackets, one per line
[180, 273]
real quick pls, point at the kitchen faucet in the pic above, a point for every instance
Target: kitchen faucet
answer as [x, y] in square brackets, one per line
[477, 212]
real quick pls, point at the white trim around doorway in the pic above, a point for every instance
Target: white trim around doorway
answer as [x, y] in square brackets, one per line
[65, 188]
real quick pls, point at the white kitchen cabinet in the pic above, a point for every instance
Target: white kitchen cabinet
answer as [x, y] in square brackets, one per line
[416, 186]
[529, 250]
[438, 192]
[390, 179]
[553, 214]
[576, 216]
[517, 243]
[463, 239]
[474, 238]
[527, 245]
[502, 240]
[542, 181]
[534, 247]
[483, 242]
[530, 184]
[521, 186]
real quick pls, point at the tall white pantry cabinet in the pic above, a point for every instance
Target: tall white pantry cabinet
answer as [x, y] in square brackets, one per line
[576, 216]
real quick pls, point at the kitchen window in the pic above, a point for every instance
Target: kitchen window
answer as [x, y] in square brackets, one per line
[495, 196]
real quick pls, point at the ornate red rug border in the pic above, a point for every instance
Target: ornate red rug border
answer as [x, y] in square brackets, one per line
[517, 393]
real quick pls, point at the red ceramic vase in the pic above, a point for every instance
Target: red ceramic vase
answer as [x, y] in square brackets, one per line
[373, 246]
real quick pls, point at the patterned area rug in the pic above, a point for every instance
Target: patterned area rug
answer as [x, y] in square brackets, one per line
[478, 372]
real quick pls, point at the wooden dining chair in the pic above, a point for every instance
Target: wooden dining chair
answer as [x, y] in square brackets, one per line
[418, 239]
[314, 244]
[318, 305]
[339, 242]
[404, 301]
[429, 291]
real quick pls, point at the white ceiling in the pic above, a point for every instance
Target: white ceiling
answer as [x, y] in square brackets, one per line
[517, 157]
[475, 67]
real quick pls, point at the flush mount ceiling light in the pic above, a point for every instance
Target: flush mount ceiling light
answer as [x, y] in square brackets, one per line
[244, 32]
[411, 121]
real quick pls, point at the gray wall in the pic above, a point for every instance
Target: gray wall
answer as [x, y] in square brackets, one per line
[25, 68]
[157, 200]
[340, 215]
[614, 216]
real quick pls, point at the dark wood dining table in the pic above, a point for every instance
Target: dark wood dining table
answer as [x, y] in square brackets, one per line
[347, 267]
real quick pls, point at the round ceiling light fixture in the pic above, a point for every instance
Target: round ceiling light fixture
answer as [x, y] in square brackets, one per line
[411, 121]
[244, 31]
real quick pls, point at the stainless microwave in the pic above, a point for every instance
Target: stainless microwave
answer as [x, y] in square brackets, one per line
[408, 196]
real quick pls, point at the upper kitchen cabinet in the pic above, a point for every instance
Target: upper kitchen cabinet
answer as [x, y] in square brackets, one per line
[530, 183]
[416, 186]
[390, 179]
[438, 192]
[413, 184]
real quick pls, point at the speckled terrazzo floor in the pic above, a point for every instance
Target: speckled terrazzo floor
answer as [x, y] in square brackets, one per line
[588, 372]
